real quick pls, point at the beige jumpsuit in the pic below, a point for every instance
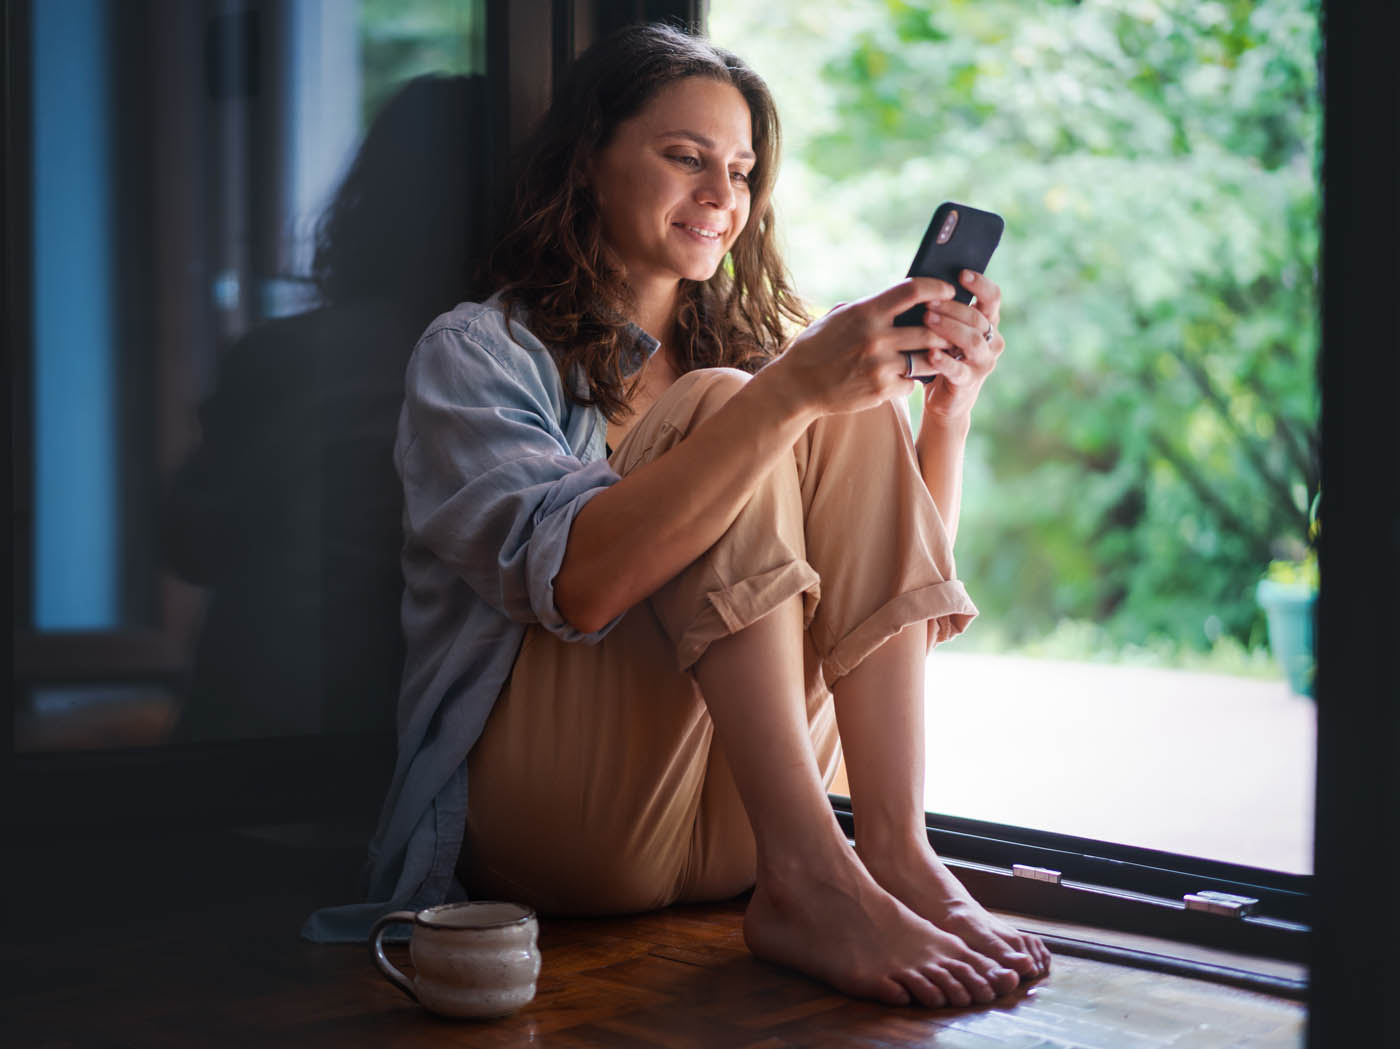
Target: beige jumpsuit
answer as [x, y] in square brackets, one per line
[596, 786]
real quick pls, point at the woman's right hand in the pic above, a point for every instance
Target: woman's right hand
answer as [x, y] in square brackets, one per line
[854, 357]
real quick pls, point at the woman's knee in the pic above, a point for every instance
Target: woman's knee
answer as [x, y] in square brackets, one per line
[876, 445]
[687, 402]
[709, 389]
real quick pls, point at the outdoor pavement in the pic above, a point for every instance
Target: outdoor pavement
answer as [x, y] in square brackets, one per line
[1203, 764]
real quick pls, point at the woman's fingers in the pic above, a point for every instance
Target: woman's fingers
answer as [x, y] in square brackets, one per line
[962, 313]
[917, 339]
[855, 356]
[974, 336]
[929, 363]
[911, 291]
[987, 292]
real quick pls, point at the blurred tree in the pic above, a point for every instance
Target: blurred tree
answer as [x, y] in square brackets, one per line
[1149, 443]
[402, 39]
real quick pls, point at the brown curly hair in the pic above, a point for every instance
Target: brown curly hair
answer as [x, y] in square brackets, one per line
[553, 263]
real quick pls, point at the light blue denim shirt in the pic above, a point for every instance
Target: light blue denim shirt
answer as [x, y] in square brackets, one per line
[496, 462]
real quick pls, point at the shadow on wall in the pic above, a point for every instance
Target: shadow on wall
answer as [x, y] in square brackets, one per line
[289, 510]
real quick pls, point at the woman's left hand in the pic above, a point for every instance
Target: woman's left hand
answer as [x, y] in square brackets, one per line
[972, 346]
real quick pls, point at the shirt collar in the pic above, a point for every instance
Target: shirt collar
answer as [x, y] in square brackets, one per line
[643, 346]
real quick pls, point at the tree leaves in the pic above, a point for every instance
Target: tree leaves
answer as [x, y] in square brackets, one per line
[1148, 444]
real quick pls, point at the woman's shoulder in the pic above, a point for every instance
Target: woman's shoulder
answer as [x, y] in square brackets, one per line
[486, 324]
[476, 338]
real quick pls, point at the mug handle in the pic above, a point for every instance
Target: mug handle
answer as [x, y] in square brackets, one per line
[376, 950]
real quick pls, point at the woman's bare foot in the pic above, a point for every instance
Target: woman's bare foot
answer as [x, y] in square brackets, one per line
[915, 876]
[835, 923]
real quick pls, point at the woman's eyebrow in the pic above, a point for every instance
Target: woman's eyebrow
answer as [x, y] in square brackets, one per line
[704, 142]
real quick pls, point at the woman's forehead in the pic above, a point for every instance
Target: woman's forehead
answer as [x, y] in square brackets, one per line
[698, 108]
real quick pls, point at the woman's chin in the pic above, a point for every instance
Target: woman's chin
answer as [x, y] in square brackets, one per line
[702, 271]
[700, 263]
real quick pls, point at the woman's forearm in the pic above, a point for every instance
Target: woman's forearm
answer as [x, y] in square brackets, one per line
[941, 445]
[630, 539]
[633, 537]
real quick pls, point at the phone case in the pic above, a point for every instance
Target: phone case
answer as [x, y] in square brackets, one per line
[969, 247]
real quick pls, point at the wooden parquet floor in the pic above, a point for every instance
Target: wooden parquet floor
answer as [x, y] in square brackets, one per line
[192, 942]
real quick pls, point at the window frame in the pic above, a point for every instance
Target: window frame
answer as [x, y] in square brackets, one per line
[336, 777]
[1358, 774]
[1121, 887]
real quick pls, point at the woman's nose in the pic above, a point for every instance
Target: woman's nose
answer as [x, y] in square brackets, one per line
[716, 191]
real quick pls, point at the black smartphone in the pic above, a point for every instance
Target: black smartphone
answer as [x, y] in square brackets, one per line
[958, 238]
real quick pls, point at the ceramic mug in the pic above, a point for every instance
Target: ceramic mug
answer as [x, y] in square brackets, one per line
[469, 959]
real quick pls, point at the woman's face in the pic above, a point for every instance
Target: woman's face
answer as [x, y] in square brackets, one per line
[672, 184]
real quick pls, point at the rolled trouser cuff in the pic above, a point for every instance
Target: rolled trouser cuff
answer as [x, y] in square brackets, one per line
[732, 608]
[944, 605]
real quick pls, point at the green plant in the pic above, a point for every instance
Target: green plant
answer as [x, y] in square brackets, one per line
[1152, 429]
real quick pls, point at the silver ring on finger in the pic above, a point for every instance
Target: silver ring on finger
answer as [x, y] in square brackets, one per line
[991, 329]
[908, 364]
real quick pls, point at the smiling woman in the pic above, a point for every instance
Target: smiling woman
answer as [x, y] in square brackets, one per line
[641, 661]
[556, 253]
[673, 195]
[673, 188]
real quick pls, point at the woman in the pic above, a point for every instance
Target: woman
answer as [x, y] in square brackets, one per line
[655, 566]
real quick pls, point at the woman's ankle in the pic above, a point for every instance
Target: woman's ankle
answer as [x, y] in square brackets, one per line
[826, 857]
[890, 842]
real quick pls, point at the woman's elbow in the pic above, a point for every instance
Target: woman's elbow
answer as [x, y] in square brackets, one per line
[588, 622]
[580, 604]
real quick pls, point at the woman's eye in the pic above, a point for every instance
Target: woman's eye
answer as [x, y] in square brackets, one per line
[686, 159]
[740, 176]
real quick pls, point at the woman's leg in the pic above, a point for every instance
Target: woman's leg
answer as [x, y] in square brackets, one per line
[584, 788]
[595, 787]
[874, 536]
[585, 784]
[815, 907]
[880, 710]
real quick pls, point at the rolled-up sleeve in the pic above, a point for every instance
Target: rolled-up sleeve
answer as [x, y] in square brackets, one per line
[491, 485]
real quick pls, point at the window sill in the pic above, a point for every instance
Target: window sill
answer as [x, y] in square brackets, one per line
[1122, 891]
[1250, 971]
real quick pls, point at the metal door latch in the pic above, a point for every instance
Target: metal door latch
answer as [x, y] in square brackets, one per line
[1222, 903]
[1022, 870]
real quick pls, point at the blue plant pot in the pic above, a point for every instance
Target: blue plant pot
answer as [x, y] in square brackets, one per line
[1289, 608]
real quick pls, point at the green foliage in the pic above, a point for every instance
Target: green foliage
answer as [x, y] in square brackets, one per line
[1148, 444]
[402, 39]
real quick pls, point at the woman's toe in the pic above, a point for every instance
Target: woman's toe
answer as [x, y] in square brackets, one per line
[925, 991]
[891, 992]
[1022, 963]
[957, 995]
[971, 977]
[1003, 980]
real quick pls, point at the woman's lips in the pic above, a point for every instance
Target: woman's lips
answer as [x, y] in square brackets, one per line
[701, 233]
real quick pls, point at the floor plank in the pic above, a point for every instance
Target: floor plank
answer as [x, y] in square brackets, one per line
[192, 942]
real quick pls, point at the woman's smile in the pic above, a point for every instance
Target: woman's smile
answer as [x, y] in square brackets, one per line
[704, 233]
[672, 184]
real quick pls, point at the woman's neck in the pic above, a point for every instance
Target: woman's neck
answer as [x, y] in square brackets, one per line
[656, 309]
